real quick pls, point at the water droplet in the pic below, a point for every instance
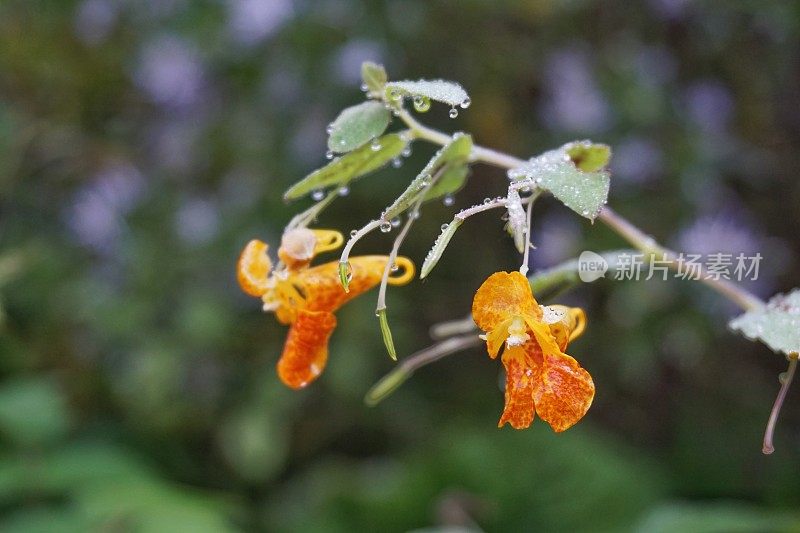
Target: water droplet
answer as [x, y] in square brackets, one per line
[364, 87]
[448, 200]
[329, 129]
[328, 155]
[444, 227]
[466, 103]
[397, 162]
[413, 215]
[422, 103]
[406, 151]
[386, 227]
[395, 94]
[376, 145]
[487, 201]
[344, 190]
[394, 268]
[353, 233]
[585, 212]
[318, 195]
[395, 222]
[453, 112]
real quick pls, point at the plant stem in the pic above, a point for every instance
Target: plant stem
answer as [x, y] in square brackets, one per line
[643, 242]
[786, 381]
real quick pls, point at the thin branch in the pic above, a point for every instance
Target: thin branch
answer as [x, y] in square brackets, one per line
[786, 381]
[524, 268]
[391, 381]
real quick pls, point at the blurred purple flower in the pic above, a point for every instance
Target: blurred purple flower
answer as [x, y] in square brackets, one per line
[719, 233]
[636, 160]
[347, 63]
[710, 105]
[197, 221]
[669, 9]
[94, 20]
[251, 21]
[170, 72]
[573, 102]
[95, 216]
[557, 239]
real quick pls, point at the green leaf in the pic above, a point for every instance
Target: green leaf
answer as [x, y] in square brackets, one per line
[589, 157]
[447, 92]
[777, 324]
[454, 153]
[583, 191]
[452, 180]
[342, 170]
[386, 332]
[374, 76]
[357, 125]
[439, 246]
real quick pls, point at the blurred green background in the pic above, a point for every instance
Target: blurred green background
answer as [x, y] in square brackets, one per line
[144, 142]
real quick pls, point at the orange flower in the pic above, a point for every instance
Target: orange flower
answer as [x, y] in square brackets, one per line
[306, 297]
[540, 378]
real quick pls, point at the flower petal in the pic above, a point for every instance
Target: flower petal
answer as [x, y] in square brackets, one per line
[322, 290]
[564, 391]
[306, 350]
[497, 337]
[502, 296]
[569, 327]
[520, 380]
[253, 268]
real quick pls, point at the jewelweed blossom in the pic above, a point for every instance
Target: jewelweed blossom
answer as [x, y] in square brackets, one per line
[306, 297]
[540, 378]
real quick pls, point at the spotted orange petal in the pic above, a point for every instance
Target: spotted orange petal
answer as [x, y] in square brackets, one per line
[253, 268]
[503, 295]
[322, 290]
[306, 350]
[564, 391]
[521, 376]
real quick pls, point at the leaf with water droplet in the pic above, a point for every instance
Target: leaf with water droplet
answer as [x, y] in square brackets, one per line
[357, 125]
[450, 181]
[374, 76]
[583, 191]
[387, 334]
[455, 153]
[777, 324]
[350, 166]
[439, 246]
[447, 92]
